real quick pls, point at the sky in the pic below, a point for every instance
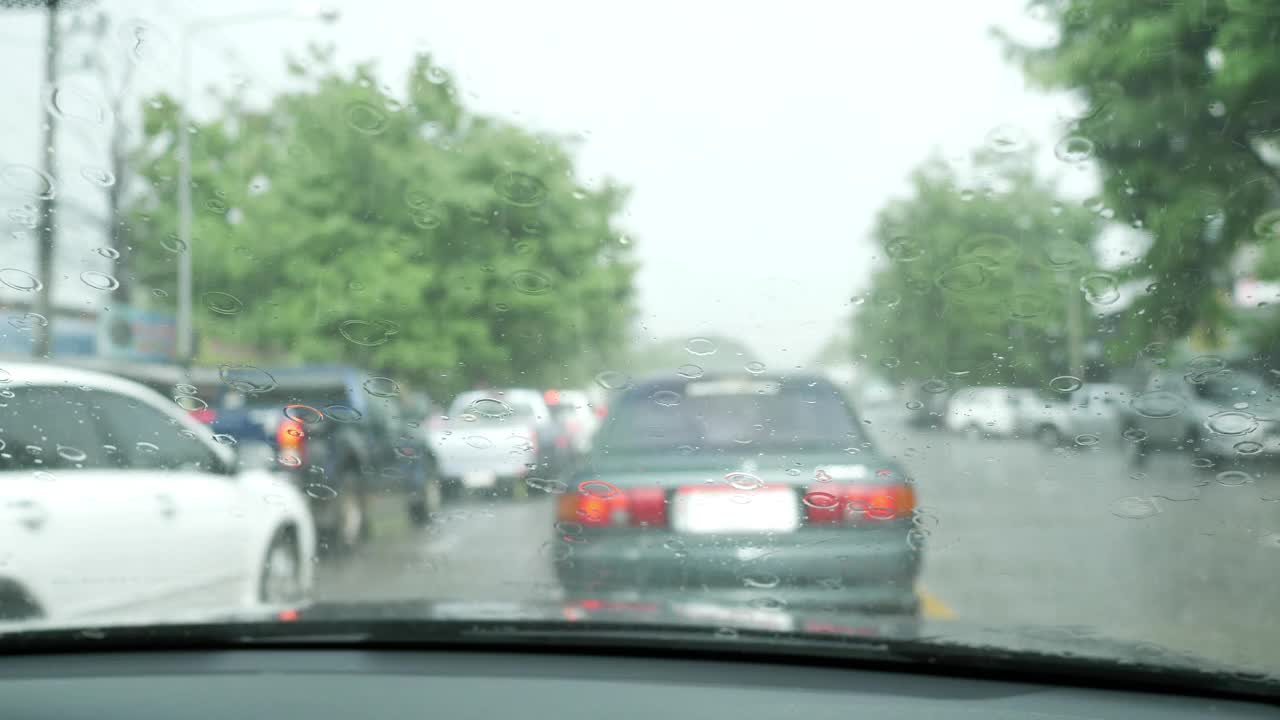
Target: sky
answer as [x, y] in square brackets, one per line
[759, 139]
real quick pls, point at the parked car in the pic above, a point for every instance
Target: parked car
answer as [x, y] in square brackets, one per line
[985, 411]
[578, 421]
[491, 440]
[739, 491]
[1219, 415]
[115, 503]
[341, 435]
[1091, 414]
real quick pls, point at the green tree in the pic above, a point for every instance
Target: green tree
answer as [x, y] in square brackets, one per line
[976, 287]
[1177, 108]
[400, 233]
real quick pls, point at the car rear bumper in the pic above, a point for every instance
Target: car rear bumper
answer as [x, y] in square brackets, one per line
[869, 571]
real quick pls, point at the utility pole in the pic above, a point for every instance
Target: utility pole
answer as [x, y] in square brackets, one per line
[1075, 331]
[47, 211]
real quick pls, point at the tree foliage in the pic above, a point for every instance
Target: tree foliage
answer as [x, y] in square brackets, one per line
[1177, 108]
[973, 288]
[399, 232]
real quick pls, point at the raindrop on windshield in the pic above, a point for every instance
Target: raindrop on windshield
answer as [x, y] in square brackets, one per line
[1232, 422]
[223, 303]
[935, 386]
[320, 491]
[99, 281]
[1007, 138]
[1074, 149]
[1100, 288]
[304, 414]
[342, 413]
[689, 371]
[1134, 508]
[108, 253]
[101, 177]
[28, 181]
[520, 189]
[613, 380]
[551, 487]
[1158, 404]
[366, 118]
[490, 408]
[530, 282]
[1248, 447]
[755, 367]
[190, 403]
[1234, 478]
[383, 387]
[20, 280]
[667, 398]
[744, 481]
[1066, 383]
[700, 346]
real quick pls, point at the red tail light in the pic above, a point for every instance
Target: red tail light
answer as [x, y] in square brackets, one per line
[291, 440]
[830, 504]
[594, 506]
[204, 415]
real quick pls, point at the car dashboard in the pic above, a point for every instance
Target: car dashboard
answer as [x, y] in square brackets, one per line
[336, 683]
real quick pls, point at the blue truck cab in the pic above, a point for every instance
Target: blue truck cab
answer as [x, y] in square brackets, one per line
[343, 435]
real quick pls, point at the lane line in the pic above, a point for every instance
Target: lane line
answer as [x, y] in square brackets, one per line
[933, 607]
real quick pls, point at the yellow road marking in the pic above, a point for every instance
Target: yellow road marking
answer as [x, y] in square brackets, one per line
[933, 607]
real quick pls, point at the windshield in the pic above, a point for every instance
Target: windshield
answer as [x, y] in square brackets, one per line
[950, 321]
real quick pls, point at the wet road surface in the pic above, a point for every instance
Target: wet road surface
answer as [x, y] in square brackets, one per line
[1026, 535]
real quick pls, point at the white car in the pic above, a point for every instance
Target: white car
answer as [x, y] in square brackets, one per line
[115, 505]
[985, 411]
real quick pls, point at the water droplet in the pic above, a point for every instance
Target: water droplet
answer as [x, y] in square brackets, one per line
[1202, 463]
[934, 386]
[821, 500]
[904, 249]
[367, 333]
[914, 405]
[246, 378]
[146, 448]
[1066, 383]
[1007, 138]
[744, 481]
[598, 489]
[342, 413]
[157, 292]
[1025, 306]
[520, 189]
[366, 118]
[530, 282]
[1158, 404]
[1267, 226]
[185, 389]
[613, 380]
[1065, 254]
[1231, 422]
[108, 253]
[28, 181]
[437, 75]
[1234, 478]
[916, 538]
[963, 278]
[190, 403]
[383, 387]
[1248, 447]
[288, 460]
[320, 491]
[1087, 439]
[891, 362]
[1100, 288]
[1074, 149]
[224, 439]
[1134, 434]
[71, 454]
[20, 280]
[426, 220]
[667, 398]
[173, 243]
[99, 281]
[690, 371]
[73, 103]
[222, 303]
[551, 487]
[217, 206]
[755, 367]
[479, 442]
[1134, 508]
[30, 320]
[761, 581]
[490, 408]
[100, 177]
[701, 346]
[766, 603]
[304, 414]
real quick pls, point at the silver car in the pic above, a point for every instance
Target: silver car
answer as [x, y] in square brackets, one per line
[1218, 415]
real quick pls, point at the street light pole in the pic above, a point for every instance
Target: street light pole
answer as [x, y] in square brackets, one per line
[46, 238]
[185, 329]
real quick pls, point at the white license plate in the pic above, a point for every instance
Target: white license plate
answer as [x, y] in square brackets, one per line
[723, 511]
[479, 478]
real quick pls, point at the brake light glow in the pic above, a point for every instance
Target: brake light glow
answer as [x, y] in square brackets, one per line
[291, 439]
[600, 504]
[551, 397]
[833, 504]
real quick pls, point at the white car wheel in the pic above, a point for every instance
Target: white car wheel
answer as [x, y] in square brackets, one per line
[281, 580]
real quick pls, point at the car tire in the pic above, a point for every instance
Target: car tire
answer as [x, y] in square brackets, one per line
[351, 518]
[280, 577]
[422, 504]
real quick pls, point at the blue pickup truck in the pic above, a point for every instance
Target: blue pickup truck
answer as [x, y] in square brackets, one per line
[343, 434]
